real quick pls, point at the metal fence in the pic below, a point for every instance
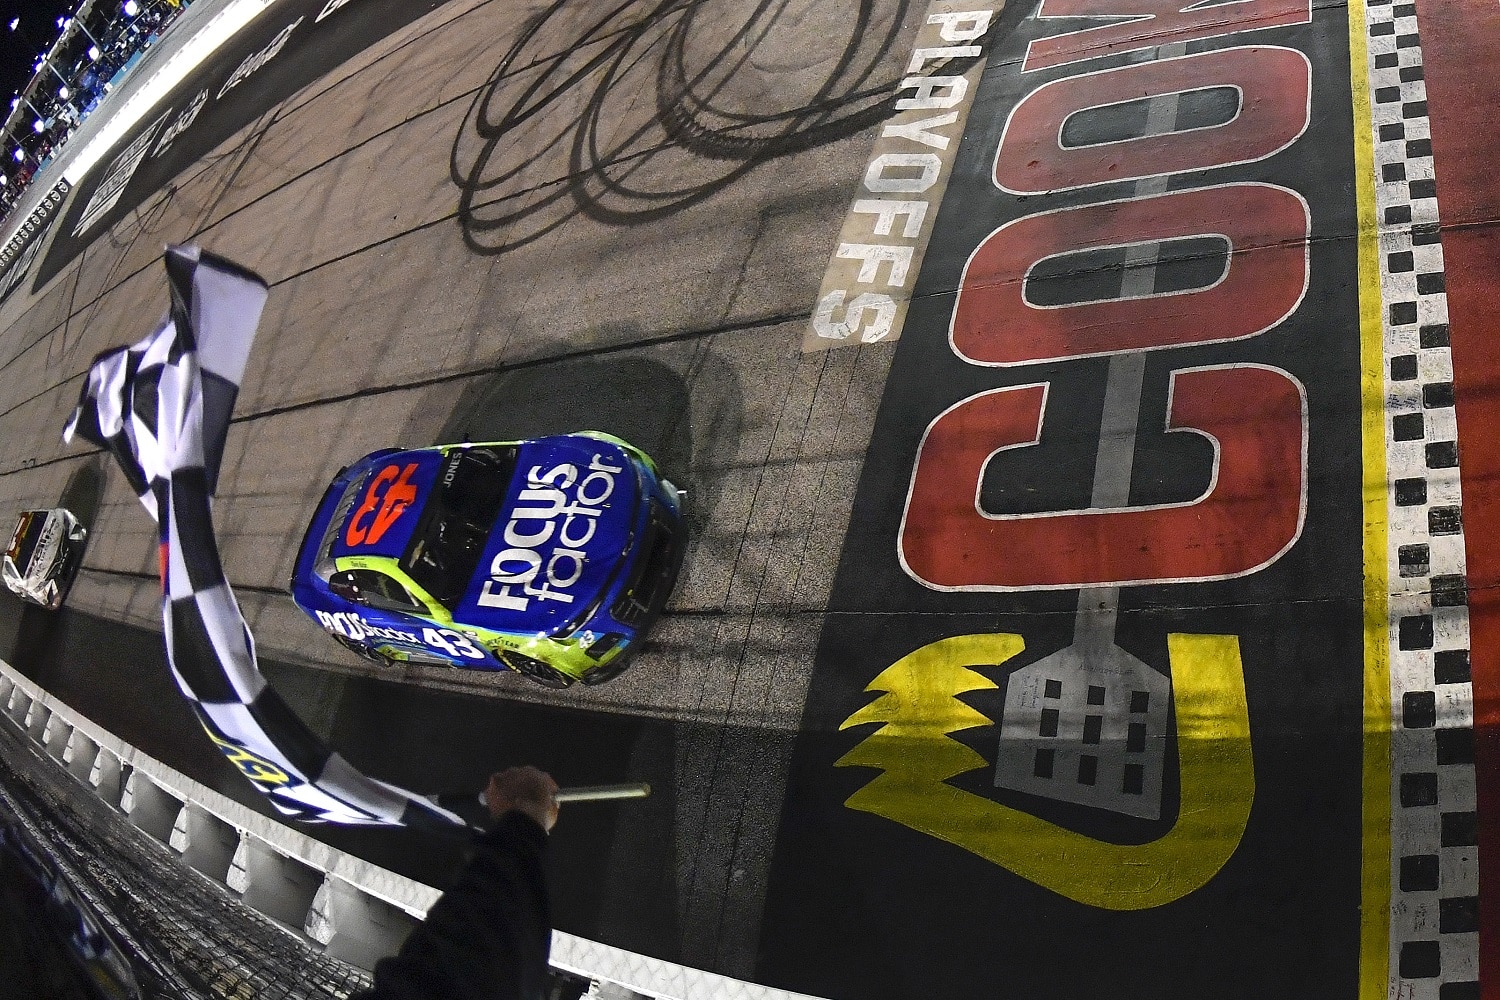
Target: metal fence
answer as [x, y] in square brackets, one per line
[184, 935]
[92, 50]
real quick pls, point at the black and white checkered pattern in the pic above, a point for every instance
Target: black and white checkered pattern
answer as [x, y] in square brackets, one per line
[162, 408]
[1435, 876]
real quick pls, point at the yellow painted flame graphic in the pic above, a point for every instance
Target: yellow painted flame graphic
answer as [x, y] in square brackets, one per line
[913, 750]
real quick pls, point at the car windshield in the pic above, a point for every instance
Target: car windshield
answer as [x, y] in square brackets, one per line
[23, 543]
[449, 539]
[367, 586]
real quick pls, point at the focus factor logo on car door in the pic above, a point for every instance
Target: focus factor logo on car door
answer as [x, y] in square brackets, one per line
[388, 496]
[1198, 265]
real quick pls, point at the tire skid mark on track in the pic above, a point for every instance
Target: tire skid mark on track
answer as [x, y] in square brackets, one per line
[285, 113]
[143, 228]
[240, 157]
[435, 380]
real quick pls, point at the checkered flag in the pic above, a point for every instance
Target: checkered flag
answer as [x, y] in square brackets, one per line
[162, 408]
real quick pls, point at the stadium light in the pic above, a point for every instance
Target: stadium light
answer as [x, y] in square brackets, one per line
[67, 22]
[20, 155]
[55, 72]
[39, 125]
[63, 92]
[15, 27]
[94, 53]
[131, 8]
[17, 100]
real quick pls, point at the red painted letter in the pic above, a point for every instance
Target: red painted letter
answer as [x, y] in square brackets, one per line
[1251, 514]
[1152, 23]
[1267, 228]
[1274, 85]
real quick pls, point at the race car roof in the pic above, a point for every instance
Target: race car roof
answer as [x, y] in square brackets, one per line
[381, 521]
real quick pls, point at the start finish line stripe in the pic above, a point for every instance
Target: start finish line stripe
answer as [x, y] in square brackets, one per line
[1461, 39]
[1424, 621]
[1375, 865]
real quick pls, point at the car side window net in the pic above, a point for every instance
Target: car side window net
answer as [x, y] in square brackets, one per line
[372, 589]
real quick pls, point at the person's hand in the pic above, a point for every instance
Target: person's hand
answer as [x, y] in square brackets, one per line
[527, 789]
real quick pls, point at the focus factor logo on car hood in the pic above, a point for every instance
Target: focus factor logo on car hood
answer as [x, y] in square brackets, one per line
[565, 525]
[389, 505]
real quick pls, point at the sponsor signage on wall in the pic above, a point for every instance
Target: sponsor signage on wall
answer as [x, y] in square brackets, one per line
[248, 76]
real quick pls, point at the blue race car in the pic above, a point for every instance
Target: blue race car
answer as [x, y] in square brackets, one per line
[549, 557]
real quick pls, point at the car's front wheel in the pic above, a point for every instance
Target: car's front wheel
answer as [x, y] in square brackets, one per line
[544, 674]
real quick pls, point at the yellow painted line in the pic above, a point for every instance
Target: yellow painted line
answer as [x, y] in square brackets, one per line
[1375, 863]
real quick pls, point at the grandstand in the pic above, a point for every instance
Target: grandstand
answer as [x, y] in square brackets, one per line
[93, 50]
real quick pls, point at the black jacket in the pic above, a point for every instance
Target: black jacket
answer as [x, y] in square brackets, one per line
[489, 935]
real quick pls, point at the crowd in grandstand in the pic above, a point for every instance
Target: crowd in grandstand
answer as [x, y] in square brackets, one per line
[89, 55]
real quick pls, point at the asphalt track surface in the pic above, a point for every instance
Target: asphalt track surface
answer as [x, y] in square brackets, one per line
[491, 221]
[665, 310]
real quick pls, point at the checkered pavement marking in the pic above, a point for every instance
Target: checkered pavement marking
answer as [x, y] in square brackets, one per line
[1434, 880]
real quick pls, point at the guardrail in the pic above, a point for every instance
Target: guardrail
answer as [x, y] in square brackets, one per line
[354, 910]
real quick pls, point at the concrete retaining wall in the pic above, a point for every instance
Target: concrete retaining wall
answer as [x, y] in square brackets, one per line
[356, 911]
[353, 910]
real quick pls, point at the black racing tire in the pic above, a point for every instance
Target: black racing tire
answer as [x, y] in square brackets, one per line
[533, 669]
[68, 573]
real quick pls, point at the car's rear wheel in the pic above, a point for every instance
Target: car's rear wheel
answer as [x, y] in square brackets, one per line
[543, 673]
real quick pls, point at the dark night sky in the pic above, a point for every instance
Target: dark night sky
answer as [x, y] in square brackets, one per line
[39, 20]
